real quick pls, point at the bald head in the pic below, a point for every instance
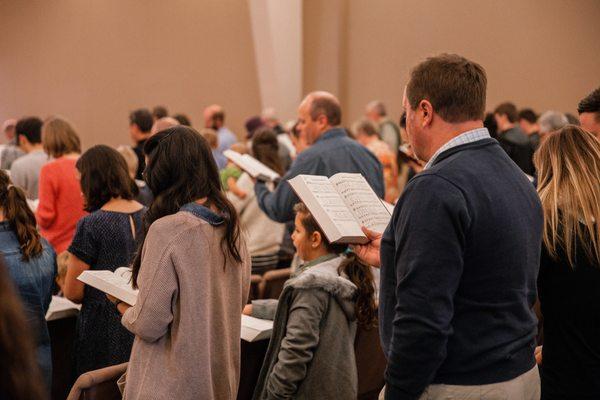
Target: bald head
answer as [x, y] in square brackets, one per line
[162, 124]
[324, 104]
[318, 113]
[214, 116]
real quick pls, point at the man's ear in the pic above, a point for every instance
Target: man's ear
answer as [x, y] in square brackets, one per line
[426, 110]
[315, 239]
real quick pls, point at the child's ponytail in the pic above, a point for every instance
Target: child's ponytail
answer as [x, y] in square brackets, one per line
[362, 276]
[20, 217]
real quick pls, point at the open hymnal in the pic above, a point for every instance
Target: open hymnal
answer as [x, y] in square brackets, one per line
[61, 307]
[341, 205]
[255, 329]
[252, 166]
[117, 284]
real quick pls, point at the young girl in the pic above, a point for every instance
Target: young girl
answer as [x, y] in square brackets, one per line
[311, 353]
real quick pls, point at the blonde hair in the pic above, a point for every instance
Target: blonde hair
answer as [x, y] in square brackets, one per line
[130, 158]
[59, 137]
[568, 165]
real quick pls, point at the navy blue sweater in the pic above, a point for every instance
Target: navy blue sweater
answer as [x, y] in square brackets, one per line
[459, 263]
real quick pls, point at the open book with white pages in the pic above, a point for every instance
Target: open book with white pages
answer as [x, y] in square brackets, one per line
[342, 204]
[252, 166]
[60, 308]
[117, 284]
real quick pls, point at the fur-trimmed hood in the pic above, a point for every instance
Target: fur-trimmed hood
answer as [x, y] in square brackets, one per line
[324, 276]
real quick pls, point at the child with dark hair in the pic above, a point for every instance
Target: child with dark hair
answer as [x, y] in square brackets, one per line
[105, 240]
[311, 353]
[31, 264]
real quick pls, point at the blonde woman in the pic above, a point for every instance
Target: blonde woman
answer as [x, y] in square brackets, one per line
[61, 202]
[568, 165]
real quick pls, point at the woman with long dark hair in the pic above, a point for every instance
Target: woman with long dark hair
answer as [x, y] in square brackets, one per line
[263, 234]
[193, 274]
[31, 264]
[568, 166]
[104, 240]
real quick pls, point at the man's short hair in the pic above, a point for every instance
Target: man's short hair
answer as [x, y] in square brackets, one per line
[455, 87]
[378, 107]
[327, 106]
[31, 128]
[551, 121]
[159, 112]
[508, 109]
[183, 119]
[142, 118]
[591, 104]
[528, 115]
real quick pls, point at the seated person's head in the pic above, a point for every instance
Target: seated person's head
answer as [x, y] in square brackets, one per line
[130, 158]
[61, 263]
[364, 131]
[183, 119]
[211, 137]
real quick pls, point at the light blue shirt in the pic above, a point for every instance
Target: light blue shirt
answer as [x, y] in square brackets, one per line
[226, 139]
[464, 138]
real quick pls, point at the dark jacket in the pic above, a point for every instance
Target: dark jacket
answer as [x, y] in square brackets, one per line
[458, 276]
[518, 147]
[311, 352]
[333, 152]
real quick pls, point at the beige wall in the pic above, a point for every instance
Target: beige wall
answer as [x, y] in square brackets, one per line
[539, 53]
[95, 61]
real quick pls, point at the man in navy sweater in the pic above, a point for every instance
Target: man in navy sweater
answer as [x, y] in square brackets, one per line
[460, 258]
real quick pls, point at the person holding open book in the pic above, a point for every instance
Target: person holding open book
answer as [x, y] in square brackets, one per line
[331, 151]
[264, 235]
[104, 240]
[460, 257]
[311, 353]
[30, 261]
[193, 274]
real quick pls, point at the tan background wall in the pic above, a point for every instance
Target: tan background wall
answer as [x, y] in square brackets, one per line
[539, 53]
[95, 61]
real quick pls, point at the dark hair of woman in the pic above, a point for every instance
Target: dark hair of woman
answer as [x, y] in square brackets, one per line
[20, 217]
[265, 148]
[104, 176]
[20, 377]
[180, 170]
[357, 272]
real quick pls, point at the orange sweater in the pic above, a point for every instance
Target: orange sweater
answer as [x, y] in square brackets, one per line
[61, 202]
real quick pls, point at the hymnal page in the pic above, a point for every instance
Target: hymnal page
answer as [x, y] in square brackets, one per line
[61, 307]
[328, 208]
[254, 329]
[117, 284]
[251, 165]
[360, 198]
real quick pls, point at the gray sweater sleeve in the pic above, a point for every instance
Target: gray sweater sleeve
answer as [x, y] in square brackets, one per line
[264, 309]
[298, 345]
